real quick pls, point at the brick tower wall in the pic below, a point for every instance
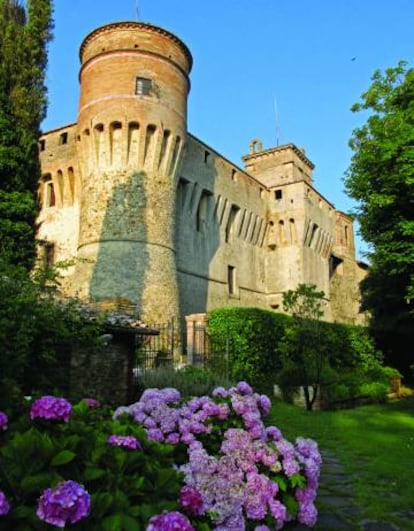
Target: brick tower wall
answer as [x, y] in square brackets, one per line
[131, 130]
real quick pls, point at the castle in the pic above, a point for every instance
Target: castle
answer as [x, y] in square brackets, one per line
[155, 219]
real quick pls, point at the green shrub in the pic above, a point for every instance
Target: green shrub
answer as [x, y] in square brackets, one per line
[375, 391]
[258, 345]
[337, 392]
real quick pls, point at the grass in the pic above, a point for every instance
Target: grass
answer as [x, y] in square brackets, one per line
[376, 446]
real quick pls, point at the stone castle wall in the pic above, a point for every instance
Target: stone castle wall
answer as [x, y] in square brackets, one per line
[154, 216]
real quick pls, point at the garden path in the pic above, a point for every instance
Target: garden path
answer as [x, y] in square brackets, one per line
[336, 504]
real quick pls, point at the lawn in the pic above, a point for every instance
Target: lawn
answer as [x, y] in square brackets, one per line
[375, 444]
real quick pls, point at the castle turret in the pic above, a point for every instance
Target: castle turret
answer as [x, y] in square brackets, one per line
[131, 128]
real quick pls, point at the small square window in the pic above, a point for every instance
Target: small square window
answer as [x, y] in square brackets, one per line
[278, 194]
[143, 86]
[63, 139]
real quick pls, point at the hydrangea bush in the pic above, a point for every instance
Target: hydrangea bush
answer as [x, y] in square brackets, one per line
[237, 471]
[160, 464]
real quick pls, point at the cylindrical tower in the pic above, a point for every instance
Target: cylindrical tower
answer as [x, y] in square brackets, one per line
[131, 128]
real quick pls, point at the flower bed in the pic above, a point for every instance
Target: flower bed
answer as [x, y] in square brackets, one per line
[161, 463]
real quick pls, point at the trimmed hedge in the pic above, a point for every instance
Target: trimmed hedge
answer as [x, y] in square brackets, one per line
[255, 335]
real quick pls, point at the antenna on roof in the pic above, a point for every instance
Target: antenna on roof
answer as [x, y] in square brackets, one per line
[276, 120]
[136, 10]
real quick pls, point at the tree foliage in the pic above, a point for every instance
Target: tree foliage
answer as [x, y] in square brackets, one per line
[24, 35]
[36, 334]
[381, 179]
[302, 348]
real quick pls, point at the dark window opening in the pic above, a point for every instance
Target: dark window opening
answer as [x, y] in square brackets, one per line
[206, 156]
[63, 139]
[42, 145]
[231, 222]
[143, 86]
[334, 265]
[278, 194]
[50, 199]
[48, 255]
[233, 175]
[231, 279]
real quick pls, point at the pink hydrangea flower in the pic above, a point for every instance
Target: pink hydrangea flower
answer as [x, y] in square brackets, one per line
[191, 500]
[51, 408]
[92, 402]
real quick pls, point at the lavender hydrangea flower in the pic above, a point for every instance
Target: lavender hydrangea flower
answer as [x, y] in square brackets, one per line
[92, 402]
[68, 502]
[169, 521]
[4, 504]
[125, 441]
[51, 408]
[3, 421]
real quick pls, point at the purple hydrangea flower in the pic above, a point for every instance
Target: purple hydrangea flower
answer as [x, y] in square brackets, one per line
[273, 433]
[191, 500]
[126, 441]
[173, 521]
[290, 466]
[92, 402]
[3, 421]
[68, 502]
[173, 438]
[278, 510]
[51, 408]
[307, 514]
[4, 504]
[244, 388]
[220, 392]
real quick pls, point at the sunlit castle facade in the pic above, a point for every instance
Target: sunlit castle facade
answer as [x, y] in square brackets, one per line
[155, 220]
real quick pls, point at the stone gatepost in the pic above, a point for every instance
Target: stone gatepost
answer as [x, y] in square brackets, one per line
[196, 337]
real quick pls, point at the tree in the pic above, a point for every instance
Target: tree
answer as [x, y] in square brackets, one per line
[381, 179]
[303, 355]
[24, 36]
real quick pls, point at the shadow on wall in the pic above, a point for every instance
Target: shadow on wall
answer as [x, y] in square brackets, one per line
[197, 238]
[122, 255]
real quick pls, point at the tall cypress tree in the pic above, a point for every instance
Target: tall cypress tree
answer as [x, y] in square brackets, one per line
[24, 35]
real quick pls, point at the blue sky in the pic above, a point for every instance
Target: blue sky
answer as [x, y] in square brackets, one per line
[315, 58]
